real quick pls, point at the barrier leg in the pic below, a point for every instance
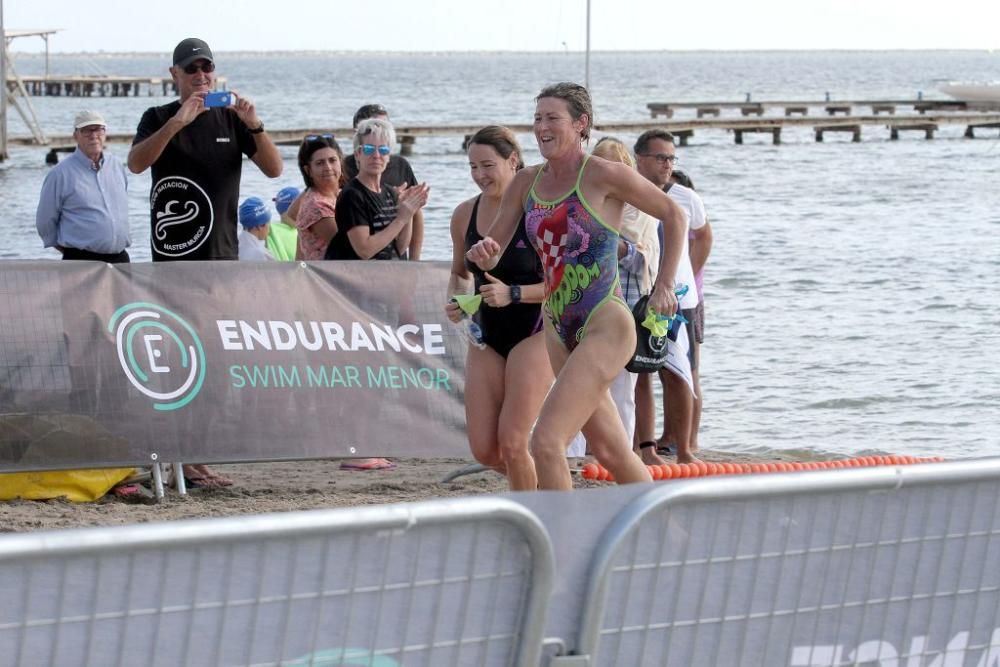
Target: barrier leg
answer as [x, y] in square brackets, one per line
[157, 480]
[467, 470]
[179, 482]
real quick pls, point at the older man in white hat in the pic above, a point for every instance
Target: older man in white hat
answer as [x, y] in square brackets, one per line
[83, 206]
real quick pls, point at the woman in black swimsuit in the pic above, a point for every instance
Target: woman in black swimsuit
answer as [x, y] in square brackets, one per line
[507, 380]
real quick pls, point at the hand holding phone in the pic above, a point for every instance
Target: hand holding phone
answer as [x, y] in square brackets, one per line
[222, 98]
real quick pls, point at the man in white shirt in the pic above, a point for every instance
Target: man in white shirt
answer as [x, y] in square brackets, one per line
[255, 217]
[83, 206]
[656, 153]
[701, 246]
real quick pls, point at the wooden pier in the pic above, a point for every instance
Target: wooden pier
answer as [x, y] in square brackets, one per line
[682, 129]
[99, 86]
[802, 107]
[821, 126]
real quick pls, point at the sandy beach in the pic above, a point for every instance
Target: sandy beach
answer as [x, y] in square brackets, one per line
[281, 487]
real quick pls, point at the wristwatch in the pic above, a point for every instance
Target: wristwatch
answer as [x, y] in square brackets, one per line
[258, 129]
[515, 294]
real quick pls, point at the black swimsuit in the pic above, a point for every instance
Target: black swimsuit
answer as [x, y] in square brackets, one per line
[503, 328]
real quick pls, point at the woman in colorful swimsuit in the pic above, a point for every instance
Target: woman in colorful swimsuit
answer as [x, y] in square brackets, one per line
[503, 389]
[573, 207]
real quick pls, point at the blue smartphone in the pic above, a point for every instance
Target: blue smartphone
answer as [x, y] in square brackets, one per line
[222, 98]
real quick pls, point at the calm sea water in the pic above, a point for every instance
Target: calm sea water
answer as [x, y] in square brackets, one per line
[852, 290]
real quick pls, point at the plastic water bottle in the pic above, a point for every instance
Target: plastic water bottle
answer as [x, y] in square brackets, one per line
[471, 332]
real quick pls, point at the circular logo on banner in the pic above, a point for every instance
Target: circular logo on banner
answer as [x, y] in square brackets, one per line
[160, 353]
[182, 216]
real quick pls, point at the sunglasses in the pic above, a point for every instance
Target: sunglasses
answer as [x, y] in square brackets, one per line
[320, 137]
[206, 67]
[661, 158]
[369, 149]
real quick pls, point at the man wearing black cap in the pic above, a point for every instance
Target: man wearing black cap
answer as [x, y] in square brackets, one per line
[196, 153]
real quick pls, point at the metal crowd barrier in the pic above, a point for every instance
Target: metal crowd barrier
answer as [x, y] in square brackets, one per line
[882, 566]
[437, 583]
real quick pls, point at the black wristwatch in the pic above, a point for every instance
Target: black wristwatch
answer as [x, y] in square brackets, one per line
[515, 294]
[257, 130]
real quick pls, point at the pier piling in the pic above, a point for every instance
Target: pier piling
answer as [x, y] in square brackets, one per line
[855, 131]
[928, 129]
[406, 145]
[103, 86]
[970, 130]
[834, 109]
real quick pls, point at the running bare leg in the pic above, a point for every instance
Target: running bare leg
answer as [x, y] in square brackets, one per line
[580, 397]
[528, 379]
[484, 396]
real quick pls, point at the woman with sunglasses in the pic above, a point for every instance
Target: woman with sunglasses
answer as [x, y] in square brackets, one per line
[572, 207]
[506, 379]
[374, 219]
[321, 163]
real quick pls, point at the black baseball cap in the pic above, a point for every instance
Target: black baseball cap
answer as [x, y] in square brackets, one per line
[190, 50]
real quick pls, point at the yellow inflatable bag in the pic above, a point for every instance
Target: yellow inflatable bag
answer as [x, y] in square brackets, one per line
[79, 486]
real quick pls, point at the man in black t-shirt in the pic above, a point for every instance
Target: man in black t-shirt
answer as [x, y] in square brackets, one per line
[196, 153]
[397, 172]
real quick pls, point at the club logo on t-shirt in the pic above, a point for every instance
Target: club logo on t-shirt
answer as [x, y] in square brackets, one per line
[182, 216]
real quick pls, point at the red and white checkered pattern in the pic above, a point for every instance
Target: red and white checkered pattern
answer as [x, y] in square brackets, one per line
[552, 250]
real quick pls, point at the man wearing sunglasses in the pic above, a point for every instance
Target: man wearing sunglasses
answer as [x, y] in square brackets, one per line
[196, 152]
[655, 156]
[398, 172]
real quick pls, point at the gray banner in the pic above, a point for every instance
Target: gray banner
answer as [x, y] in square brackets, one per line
[226, 361]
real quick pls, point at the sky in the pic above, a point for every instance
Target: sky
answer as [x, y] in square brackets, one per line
[507, 25]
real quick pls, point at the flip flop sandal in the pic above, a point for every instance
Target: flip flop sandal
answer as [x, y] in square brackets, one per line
[665, 450]
[206, 482]
[133, 493]
[369, 464]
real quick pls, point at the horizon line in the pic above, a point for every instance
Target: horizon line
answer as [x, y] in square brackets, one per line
[368, 52]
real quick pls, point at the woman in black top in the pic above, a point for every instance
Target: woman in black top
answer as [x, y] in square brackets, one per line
[374, 220]
[506, 380]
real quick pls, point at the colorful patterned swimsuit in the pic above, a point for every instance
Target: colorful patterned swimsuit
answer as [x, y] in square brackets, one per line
[579, 259]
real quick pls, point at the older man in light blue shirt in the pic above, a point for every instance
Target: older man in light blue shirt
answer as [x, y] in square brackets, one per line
[83, 207]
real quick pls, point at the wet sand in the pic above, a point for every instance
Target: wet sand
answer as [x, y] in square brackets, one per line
[282, 487]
